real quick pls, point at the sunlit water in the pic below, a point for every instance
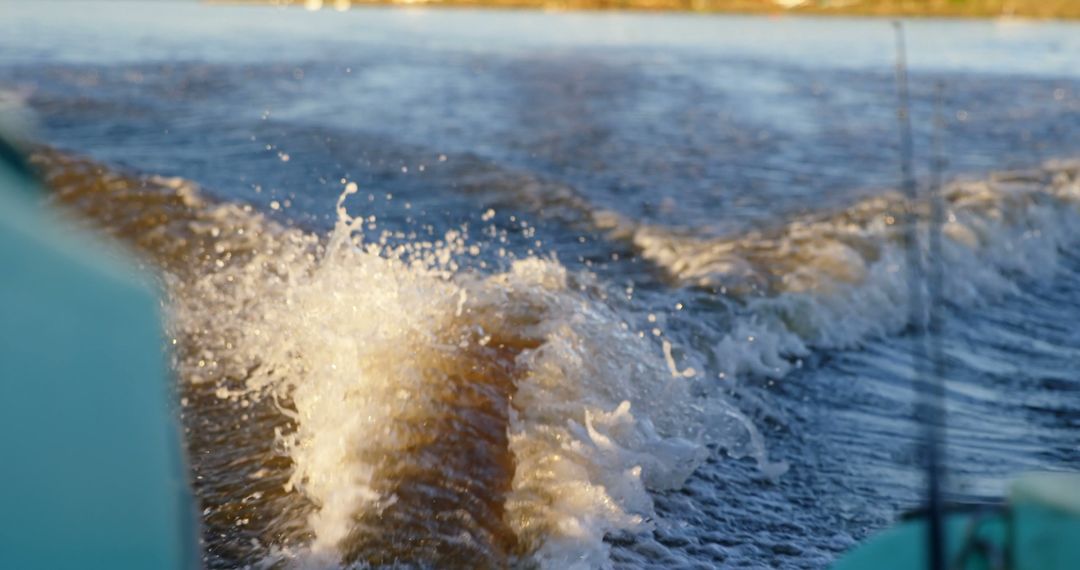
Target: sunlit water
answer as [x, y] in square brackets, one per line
[468, 289]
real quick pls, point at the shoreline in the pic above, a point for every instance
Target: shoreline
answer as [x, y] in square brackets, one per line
[1035, 10]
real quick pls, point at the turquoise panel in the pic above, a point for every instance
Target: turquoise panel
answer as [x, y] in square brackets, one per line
[91, 473]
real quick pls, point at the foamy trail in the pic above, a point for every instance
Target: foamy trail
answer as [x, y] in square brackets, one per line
[462, 419]
[836, 279]
[404, 411]
[429, 415]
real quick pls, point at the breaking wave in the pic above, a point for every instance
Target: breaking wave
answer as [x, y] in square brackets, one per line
[434, 415]
[837, 279]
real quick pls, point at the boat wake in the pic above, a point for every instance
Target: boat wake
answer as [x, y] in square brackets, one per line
[837, 279]
[429, 415]
[375, 403]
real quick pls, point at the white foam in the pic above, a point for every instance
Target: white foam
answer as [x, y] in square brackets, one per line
[362, 341]
[837, 281]
[370, 350]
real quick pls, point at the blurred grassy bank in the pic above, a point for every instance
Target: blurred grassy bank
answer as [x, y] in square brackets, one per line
[1043, 9]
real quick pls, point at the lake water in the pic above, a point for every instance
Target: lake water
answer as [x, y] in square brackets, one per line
[509, 288]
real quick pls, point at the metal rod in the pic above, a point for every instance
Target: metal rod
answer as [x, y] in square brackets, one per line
[935, 395]
[926, 345]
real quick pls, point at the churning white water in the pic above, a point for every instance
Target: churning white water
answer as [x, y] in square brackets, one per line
[449, 416]
[378, 351]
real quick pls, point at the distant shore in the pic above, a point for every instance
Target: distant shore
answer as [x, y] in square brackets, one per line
[1034, 9]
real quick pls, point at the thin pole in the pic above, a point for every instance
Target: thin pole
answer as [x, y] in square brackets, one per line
[929, 397]
[935, 395]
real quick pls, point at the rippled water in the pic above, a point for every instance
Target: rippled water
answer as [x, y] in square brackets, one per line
[478, 289]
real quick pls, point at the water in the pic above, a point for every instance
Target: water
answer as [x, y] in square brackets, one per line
[600, 289]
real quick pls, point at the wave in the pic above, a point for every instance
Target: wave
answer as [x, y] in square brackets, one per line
[837, 279]
[435, 416]
[834, 281]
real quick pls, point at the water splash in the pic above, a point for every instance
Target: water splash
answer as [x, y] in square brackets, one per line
[836, 280]
[386, 406]
[429, 415]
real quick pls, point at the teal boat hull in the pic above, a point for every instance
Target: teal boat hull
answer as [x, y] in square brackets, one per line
[1039, 529]
[92, 476]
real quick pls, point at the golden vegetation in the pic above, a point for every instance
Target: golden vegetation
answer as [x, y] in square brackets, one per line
[1044, 9]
